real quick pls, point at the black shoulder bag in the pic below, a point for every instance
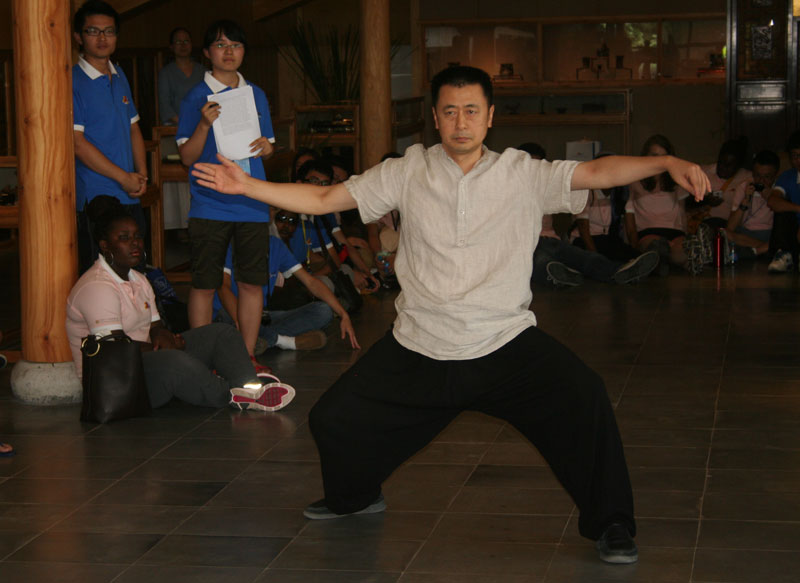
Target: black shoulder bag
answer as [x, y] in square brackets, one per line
[113, 379]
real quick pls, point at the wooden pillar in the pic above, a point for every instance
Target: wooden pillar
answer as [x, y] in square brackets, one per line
[48, 258]
[376, 82]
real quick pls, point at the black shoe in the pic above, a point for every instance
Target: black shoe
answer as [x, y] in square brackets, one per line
[637, 268]
[319, 510]
[616, 545]
[562, 276]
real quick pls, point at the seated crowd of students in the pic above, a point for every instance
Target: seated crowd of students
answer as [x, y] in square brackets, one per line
[625, 233]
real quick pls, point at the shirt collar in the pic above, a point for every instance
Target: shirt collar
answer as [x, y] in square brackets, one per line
[93, 73]
[481, 160]
[114, 275]
[217, 86]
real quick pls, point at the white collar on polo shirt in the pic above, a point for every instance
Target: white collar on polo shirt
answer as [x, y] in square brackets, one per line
[111, 271]
[93, 73]
[217, 86]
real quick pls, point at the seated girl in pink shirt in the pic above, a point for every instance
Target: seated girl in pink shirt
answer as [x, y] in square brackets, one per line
[207, 366]
[654, 214]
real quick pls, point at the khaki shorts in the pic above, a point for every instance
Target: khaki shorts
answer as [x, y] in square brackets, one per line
[209, 243]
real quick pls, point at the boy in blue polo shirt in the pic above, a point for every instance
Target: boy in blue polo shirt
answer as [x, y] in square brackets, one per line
[216, 219]
[109, 148]
[293, 329]
[785, 203]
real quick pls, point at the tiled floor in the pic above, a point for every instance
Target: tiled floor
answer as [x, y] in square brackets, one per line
[706, 378]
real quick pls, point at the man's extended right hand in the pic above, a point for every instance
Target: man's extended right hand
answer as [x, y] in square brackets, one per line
[227, 177]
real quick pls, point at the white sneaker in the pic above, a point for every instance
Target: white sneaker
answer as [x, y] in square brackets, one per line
[781, 263]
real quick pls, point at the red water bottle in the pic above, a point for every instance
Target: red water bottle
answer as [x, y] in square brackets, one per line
[718, 250]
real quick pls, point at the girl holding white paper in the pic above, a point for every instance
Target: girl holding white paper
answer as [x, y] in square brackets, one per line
[215, 219]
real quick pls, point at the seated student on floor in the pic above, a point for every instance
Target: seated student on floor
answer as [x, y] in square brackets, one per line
[296, 329]
[785, 203]
[558, 263]
[599, 226]
[207, 366]
[726, 175]
[750, 224]
[654, 215]
[320, 173]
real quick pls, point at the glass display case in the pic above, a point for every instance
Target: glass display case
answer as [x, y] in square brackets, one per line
[508, 52]
[584, 52]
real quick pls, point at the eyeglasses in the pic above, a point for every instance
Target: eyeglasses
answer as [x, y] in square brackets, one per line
[225, 47]
[94, 31]
[281, 218]
[182, 41]
[316, 181]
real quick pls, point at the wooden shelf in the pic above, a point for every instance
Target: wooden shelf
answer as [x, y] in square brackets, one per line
[9, 217]
[557, 119]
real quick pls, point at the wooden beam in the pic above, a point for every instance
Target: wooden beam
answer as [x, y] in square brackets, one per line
[267, 8]
[47, 239]
[123, 6]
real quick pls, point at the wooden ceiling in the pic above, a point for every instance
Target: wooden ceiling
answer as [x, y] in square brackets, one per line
[261, 8]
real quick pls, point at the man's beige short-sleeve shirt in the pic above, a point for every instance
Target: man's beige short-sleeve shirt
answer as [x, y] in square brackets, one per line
[466, 249]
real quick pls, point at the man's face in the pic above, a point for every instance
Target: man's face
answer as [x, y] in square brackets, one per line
[181, 44]
[286, 222]
[317, 178]
[727, 166]
[764, 174]
[100, 46]
[463, 117]
[794, 158]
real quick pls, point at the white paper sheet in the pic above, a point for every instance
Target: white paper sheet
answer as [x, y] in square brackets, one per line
[237, 125]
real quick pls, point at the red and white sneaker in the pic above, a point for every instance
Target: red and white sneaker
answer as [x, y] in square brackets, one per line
[271, 396]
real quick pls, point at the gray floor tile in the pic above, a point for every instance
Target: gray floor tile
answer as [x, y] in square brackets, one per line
[28, 572]
[80, 547]
[342, 554]
[215, 551]
[735, 566]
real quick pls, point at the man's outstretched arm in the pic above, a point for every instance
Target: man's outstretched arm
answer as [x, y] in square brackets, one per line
[611, 171]
[300, 198]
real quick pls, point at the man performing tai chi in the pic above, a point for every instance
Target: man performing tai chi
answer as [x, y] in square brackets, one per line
[464, 338]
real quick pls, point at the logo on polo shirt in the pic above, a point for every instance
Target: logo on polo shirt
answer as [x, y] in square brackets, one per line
[147, 305]
[125, 99]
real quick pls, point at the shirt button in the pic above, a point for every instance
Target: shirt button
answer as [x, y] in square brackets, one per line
[462, 211]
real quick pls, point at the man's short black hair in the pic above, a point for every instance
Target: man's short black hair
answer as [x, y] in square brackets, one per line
[176, 30]
[534, 150]
[339, 162]
[229, 28]
[310, 166]
[793, 143]
[459, 77]
[736, 147]
[767, 158]
[90, 8]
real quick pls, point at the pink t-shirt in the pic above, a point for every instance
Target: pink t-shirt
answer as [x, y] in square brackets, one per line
[725, 188]
[101, 301]
[598, 212]
[759, 216]
[657, 209]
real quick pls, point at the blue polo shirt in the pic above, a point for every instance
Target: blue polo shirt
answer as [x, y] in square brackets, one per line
[281, 260]
[206, 202]
[103, 110]
[789, 183]
[300, 244]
